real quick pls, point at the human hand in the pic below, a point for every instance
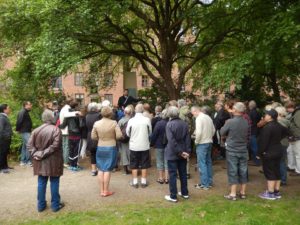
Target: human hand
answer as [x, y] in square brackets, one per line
[185, 155]
[257, 157]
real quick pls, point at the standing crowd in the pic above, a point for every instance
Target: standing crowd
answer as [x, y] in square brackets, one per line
[236, 132]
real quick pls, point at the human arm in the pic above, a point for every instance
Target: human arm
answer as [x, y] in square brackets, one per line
[94, 134]
[225, 129]
[198, 130]
[263, 141]
[118, 132]
[20, 120]
[53, 147]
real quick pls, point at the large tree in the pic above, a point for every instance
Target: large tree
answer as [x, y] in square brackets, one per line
[161, 35]
[265, 59]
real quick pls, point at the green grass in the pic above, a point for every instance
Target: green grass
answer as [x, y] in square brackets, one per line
[214, 210]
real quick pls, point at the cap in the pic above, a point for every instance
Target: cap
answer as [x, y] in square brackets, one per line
[272, 112]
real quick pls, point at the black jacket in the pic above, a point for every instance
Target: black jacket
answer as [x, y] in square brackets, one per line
[269, 141]
[221, 117]
[255, 118]
[125, 101]
[5, 127]
[91, 118]
[75, 125]
[24, 123]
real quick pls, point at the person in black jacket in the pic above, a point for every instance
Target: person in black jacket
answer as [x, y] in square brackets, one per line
[220, 116]
[5, 137]
[91, 117]
[24, 126]
[270, 151]
[126, 100]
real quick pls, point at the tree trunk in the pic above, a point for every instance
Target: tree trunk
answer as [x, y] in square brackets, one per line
[274, 86]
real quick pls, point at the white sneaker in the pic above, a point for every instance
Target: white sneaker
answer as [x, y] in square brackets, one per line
[22, 164]
[168, 198]
[183, 196]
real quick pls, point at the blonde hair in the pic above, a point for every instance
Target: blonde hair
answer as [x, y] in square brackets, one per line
[281, 111]
[106, 112]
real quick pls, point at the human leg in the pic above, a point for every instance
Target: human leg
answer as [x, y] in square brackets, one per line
[202, 150]
[55, 197]
[181, 166]
[172, 168]
[65, 146]
[42, 185]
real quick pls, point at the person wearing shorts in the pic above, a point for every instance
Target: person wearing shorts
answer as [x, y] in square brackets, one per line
[139, 130]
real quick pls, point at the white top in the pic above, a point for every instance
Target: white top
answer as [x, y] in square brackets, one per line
[205, 129]
[64, 113]
[139, 130]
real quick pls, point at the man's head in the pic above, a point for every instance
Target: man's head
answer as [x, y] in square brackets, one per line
[125, 93]
[239, 108]
[147, 107]
[173, 112]
[218, 105]
[158, 109]
[128, 111]
[195, 110]
[4, 108]
[252, 104]
[270, 115]
[181, 103]
[27, 105]
[74, 104]
[139, 108]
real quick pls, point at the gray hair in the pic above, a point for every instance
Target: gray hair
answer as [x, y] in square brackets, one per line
[92, 107]
[281, 111]
[99, 107]
[164, 114]
[239, 107]
[173, 112]
[158, 108]
[128, 110]
[139, 108]
[181, 103]
[195, 108]
[48, 116]
[252, 104]
[206, 109]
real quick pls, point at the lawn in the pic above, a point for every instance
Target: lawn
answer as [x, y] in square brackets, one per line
[213, 210]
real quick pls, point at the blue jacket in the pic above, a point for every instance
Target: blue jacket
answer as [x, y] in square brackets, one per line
[179, 139]
[159, 134]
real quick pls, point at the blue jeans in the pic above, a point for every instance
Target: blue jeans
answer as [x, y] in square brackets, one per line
[204, 164]
[237, 167]
[173, 166]
[283, 166]
[54, 187]
[25, 155]
[161, 162]
[254, 149]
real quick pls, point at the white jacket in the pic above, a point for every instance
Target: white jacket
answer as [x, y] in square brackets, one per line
[139, 130]
[205, 129]
[65, 113]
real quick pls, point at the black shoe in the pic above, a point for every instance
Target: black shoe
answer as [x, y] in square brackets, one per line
[144, 185]
[61, 205]
[41, 210]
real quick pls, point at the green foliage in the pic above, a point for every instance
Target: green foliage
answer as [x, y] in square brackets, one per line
[16, 106]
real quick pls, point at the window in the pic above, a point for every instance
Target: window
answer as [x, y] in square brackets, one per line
[145, 81]
[80, 99]
[182, 88]
[109, 97]
[57, 83]
[108, 80]
[78, 79]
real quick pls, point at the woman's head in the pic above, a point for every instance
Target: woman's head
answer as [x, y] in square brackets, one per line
[281, 111]
[48, 116]
[128, 110]
[106, 112]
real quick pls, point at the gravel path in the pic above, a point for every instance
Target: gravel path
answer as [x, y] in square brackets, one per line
[80, 191]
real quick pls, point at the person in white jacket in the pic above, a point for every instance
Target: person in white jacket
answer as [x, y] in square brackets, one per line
[204, 133]
[139, 130]
[65, 113]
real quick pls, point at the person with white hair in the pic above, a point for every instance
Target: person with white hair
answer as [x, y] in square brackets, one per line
[235, 131]
[255, 118]
[91, 118]
[124, 141]
[158, 140]
[204, 133]
[47, 156]
[139, 130]
[105, 103]
[177, 151]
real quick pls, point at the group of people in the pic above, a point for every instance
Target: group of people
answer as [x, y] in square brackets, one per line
[237, 131]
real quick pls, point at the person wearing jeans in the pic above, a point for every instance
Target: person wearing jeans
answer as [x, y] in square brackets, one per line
[177, 151]
[295, 140]
[24, 126]
[204, 133]
[236, 132]
[45, 148]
